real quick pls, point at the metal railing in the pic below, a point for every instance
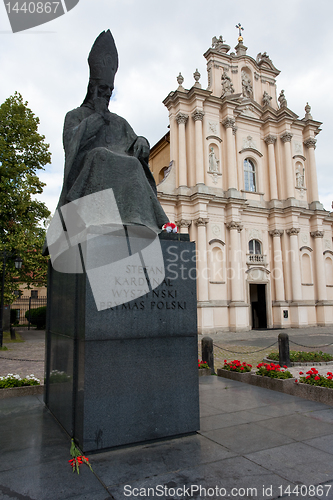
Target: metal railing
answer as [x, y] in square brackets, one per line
[22, 305]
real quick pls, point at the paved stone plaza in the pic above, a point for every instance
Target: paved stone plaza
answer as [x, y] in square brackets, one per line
[253, 443]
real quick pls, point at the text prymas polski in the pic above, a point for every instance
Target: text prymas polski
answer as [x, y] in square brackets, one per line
[321, 491]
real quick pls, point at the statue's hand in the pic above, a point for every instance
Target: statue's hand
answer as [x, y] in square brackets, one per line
[141, 148]
[101, 107]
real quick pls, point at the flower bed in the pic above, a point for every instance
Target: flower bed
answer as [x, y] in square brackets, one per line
[300, 357]
[12, 380]
[312, 386]
[235, 370]
[12, 386]
[203, 368]
[273, 371]
[236, 366]
[314, 378]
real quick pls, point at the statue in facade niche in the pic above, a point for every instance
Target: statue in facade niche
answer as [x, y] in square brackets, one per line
[102, 151]
[227, 86]
[213, 162]
[246, 85]
[300, 177]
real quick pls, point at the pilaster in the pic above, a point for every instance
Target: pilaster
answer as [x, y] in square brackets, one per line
[182, 164]
[229, 125]
[289, 172]
[197, 116]
[310, 144]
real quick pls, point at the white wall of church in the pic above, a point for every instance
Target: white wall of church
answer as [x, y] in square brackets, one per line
[243, 183]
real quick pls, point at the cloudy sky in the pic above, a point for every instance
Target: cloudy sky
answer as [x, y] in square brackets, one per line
[156, 40]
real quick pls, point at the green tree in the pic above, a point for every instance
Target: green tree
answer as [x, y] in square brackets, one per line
[23, 152]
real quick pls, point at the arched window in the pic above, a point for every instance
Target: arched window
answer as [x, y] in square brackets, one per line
[255, 247]
[163, 174]
[249, 176]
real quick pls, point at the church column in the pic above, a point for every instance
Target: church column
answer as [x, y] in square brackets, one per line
[319, 264]
[277, 270]
[295, 264]
[229, 124]
[199, 159]
[270, 141]
[183, 225]
[182, 166]
[202, 268]
[235, 261]
[289, 171]
[311, 145]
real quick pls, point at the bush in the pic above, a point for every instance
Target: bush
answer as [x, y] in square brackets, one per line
[37, 317]
[304, 357]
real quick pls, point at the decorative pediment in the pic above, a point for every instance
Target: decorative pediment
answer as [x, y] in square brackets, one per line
[264, 61]
[249, 109]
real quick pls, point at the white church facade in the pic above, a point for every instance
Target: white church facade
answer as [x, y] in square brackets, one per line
[237, 170]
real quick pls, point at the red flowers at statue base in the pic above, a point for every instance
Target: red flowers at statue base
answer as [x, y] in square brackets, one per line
[170, 227]
[78, 459]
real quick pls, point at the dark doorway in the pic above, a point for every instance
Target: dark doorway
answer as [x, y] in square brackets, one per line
[258, 306]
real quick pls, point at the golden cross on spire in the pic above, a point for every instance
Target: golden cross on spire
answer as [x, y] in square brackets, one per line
[240, 29]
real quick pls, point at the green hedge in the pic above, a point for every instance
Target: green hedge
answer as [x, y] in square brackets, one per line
[37, 317]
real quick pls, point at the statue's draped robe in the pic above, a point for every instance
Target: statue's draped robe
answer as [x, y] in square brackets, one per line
[99, 156]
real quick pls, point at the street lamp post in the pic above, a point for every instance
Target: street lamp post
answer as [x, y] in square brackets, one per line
[18, 265]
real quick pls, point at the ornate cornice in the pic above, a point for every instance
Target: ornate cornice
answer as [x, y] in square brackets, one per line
[317, 234]
[181, 118]
[270, 139]
[292, 231]
[228, 122]
[183, 223]
[276, 232]
[234, 225]
[286, 136]
[310, 143]
[198, 114]
[201, 221]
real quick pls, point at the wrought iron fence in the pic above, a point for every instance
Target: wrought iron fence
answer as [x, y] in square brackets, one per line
[22, 305]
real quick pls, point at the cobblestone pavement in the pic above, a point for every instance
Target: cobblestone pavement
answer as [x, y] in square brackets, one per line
[24, 358]
[253, 346]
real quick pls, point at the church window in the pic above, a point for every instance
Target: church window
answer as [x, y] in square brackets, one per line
[163, 174]
[255, 247]
[249, 176]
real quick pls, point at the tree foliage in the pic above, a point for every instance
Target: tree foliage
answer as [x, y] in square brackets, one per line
[23, 152]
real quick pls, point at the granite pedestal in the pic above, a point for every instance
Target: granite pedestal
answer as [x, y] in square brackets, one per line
[128, 373]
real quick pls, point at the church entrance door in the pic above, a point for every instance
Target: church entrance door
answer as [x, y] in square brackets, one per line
[258, 305]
